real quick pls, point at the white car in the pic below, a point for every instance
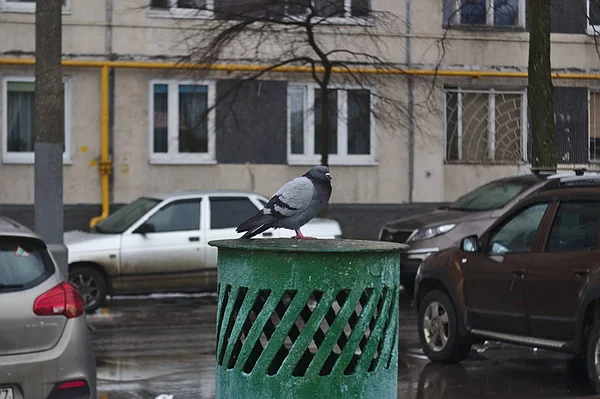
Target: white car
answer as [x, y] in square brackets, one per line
[159, 243]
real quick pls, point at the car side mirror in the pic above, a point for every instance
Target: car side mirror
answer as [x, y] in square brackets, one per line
[145, 228]
[469, 244]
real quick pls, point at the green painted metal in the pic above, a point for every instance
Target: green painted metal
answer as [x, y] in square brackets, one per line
[307, 319]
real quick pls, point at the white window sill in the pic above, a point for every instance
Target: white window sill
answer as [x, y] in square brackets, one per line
[27, 159]
[356, 21]
[333, 161]
[180, 13]
[28, 10]
[154, 160]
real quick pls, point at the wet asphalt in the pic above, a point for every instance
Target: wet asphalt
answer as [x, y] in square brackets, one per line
[152, 346]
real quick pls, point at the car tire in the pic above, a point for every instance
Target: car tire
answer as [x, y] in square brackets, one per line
[91, 285]
[438, 329]
[592, 358]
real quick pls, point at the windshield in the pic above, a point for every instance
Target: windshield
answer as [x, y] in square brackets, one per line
[493, 195]
[122, 219]
[24, 263]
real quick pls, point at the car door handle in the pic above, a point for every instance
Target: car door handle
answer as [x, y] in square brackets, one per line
[518, 273]
[581, 272]
[267, 234]
[194, 239]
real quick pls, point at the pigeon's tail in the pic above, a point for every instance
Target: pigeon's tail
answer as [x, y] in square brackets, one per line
[256, 225]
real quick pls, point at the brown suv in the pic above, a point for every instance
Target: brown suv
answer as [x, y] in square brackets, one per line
[532, 278]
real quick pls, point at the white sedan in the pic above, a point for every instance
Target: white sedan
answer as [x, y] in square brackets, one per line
[159, 243]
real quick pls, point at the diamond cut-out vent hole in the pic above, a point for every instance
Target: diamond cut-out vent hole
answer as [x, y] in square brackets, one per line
[386, 331]
[346, 332]
[367, 335]
[222, 310]
[257, 307]
[294, 332]
[349, 327]
[268, 330]
[241, 294]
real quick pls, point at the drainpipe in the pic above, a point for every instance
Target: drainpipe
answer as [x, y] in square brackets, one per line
[411, 104]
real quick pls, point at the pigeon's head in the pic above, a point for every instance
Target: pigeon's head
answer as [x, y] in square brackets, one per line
[318, 173]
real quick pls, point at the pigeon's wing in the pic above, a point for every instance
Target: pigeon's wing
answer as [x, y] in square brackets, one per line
[292, 198]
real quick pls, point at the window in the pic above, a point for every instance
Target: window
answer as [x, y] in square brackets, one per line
[351, 125]
[575, 227]
[499, 13]
[519, 233]
[593, 20]
[182, 8]
[594, 126]
[25, 5]
[486, 126]
[494, 195]
[177, 216]
[121, 220]
[182, 125]
[24, 263]
[335, 9]
[18, 118]
[230, 212]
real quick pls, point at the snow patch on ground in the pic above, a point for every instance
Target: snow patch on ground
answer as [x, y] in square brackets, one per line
[163, 296]
[164, 397]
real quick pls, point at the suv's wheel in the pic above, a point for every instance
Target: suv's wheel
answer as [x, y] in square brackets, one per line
[593, 357]
[90, 284]
[438, 329]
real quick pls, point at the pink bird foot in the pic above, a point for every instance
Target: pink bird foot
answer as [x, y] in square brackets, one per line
[300, 236]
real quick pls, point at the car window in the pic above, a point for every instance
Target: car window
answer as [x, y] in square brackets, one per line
[229, 212]
[575, 227]
[491, 196]
[177, 216]
[122, 219]
[518, 234]
[24, 263]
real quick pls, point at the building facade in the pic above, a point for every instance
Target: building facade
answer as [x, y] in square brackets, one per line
[460, 129]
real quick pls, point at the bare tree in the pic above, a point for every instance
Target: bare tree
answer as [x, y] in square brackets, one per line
[328, 39]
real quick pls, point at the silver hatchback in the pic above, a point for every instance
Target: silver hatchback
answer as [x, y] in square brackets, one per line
[45, 347]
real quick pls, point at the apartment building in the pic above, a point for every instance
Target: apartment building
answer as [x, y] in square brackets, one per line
[469, 125]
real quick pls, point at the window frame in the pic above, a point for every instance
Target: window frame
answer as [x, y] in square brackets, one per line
[548, 212]
[590, 93]
[173, 202]
[590, 29]
[7, 6]
[173, 156]
[28, 158]
[491, 125]
[342, 157]
[455, 22]
[347, 19]
[176, 12]
[551, 226]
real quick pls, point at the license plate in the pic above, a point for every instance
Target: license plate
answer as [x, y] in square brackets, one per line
[6, 393]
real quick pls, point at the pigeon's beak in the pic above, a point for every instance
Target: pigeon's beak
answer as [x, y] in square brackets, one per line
[328, 176]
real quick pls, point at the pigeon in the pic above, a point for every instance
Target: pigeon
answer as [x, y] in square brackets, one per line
[293, 205]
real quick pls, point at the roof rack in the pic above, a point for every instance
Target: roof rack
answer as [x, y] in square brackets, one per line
[575, 173]
[590, 179]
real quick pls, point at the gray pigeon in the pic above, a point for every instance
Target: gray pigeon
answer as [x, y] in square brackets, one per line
[293, 205]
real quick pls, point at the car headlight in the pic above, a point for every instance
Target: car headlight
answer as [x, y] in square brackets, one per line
[424, 234]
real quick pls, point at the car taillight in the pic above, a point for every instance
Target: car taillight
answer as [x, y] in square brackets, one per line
[75, 389]
[73, 384]
[60, 300]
